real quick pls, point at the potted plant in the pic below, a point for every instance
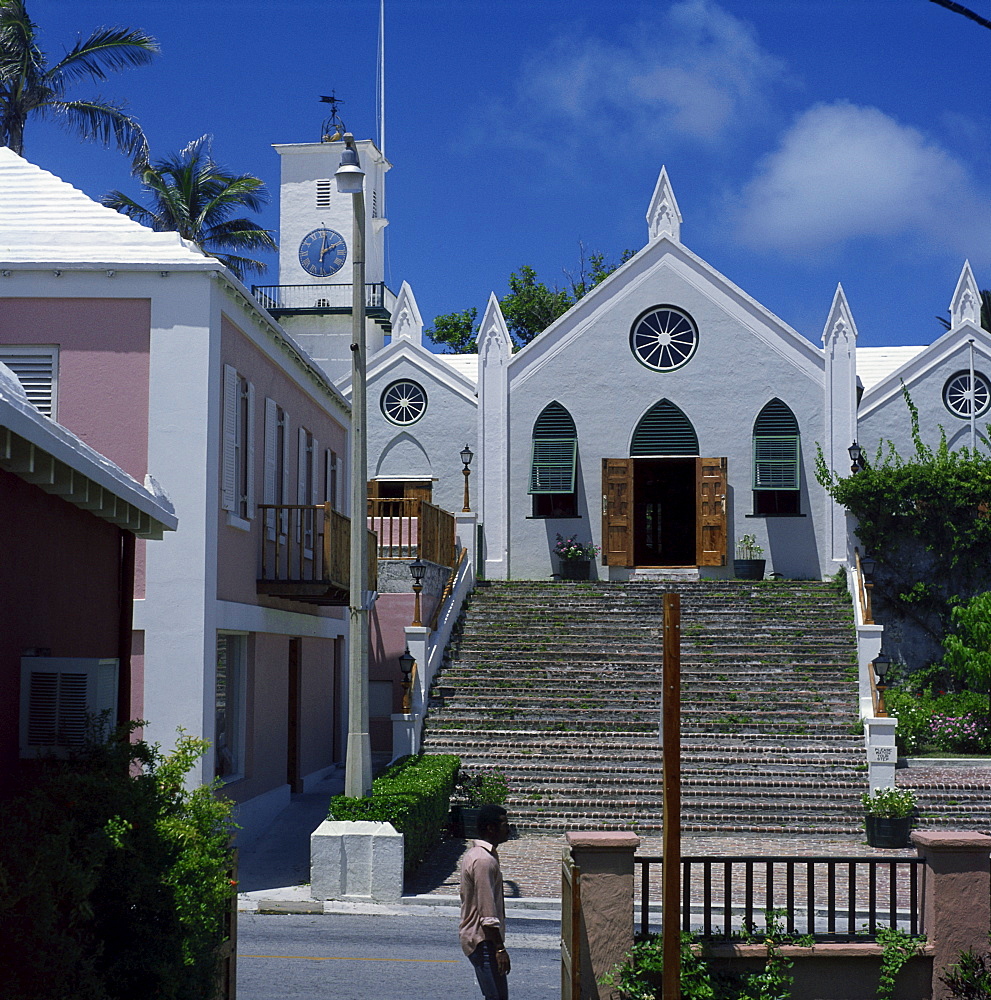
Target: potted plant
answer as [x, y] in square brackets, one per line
[748, 564]
[889, 816]
[576, 557]
[475, 789]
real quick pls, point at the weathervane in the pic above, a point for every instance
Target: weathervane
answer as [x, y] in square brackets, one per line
[332, 128]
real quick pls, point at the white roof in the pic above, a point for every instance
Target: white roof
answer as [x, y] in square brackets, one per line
[44, 220]
[47, 454]
[464, 364]
[876, 363]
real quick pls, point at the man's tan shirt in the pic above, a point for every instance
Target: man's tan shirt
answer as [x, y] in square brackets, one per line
[482, 902]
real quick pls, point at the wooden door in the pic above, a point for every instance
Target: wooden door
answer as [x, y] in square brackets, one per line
[617, 511]
[710, 532]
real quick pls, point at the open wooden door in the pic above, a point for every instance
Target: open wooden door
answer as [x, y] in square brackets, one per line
[710, 539]
[617, 511]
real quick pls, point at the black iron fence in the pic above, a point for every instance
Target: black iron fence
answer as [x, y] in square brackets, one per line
[322, 298]
[828, 898]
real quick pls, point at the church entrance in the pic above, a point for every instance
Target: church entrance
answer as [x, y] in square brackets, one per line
[664, 511]
[664, 503]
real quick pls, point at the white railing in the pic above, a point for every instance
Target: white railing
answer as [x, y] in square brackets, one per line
[427, 643]
[879, 732]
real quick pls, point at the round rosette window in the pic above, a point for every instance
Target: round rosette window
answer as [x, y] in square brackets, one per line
[404, 402]
[664, 338]
[965, 398]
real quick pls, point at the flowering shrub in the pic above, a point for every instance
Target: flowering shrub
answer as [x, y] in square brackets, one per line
[571, 548]
[959, 733]
[889, 802]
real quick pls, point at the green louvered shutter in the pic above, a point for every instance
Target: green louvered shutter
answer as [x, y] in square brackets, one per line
[555, 448]
[664, 430]
[776, 448]
[552, 466]
[776, 464]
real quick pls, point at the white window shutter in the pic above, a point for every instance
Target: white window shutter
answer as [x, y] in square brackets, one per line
[249, 455]
[285, 458]
[271, 459]
[315, 497]
[301, 467]
[228, 479]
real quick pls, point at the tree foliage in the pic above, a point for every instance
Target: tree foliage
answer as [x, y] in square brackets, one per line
[530, 305]
[114, 877]
[29, 86]
[926, 520]
[190, 194]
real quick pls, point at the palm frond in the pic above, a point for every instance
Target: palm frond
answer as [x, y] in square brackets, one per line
[240, 234]
[239, 265]
[104, 121]
[107, 49]
[120, 202]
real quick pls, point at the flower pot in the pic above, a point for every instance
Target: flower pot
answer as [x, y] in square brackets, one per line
[749, 569]
[888, 831]
[575, 569]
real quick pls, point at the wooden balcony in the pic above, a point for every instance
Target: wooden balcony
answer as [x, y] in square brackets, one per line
[306, 554]
[411, 528]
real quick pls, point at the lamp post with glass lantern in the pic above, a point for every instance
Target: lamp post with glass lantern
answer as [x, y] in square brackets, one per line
[358, 763]
[417, 570]
[466, 456]
[856, 458]
[881, 664]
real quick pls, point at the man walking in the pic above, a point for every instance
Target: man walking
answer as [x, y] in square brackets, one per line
[483, 908]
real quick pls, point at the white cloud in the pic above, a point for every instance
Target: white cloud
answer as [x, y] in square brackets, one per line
[844, 172]
[695, 72]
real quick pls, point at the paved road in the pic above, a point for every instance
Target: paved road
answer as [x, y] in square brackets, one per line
[407, 957]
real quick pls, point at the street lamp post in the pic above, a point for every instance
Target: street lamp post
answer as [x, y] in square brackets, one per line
[881, 664]
[417, 571]
[466, 456]
[358, 763]
[406, 662]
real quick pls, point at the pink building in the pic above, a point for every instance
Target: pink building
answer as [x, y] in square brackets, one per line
[70, 519]
[156, 355]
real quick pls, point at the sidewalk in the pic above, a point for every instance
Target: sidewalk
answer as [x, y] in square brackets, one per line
[274, 870]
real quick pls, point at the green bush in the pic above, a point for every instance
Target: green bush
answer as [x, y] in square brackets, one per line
[414, 795]
[921, 725]
[114, 879]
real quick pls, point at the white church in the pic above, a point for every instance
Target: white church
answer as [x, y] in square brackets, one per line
[663, 417]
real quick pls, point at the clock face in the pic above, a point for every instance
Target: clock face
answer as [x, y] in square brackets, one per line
[322, 252]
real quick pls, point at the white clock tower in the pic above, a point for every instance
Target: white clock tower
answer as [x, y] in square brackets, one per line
[313, 297]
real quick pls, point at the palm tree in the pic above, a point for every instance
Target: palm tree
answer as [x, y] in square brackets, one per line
[29, 86]
[189, 194]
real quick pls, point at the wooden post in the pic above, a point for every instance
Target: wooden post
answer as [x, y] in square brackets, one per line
[671, 819]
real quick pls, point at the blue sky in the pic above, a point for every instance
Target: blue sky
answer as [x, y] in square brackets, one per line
[809, 142]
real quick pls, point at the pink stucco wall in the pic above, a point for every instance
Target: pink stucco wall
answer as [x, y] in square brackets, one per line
[239, 550]
[59, 577]
[102, 374]
[103, 368]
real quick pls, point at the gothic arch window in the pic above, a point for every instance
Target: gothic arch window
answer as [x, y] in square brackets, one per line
[404, 401]
[664, 430]
[664, 338]
[553, 461]
[776, 460]
[964, 398]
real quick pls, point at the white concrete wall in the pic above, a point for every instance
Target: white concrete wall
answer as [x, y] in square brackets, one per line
[883, 415]
[745, 358]
[432, 445]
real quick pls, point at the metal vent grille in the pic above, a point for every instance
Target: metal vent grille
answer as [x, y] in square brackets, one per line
[57, 715]
[324, 193]
[36, 373]
[664, 430]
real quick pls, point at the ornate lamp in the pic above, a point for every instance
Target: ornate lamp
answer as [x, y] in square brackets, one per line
[856, 457]
[466, 456]
[417, 570]
[881, 665]
[406, 662]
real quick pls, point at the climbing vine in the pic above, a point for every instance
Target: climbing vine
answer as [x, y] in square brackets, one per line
[926, 520]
